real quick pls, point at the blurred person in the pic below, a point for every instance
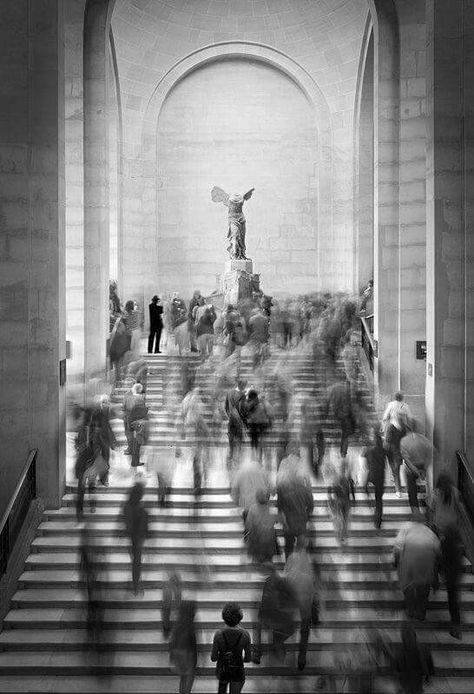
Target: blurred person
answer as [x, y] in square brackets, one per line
[135, 517]
[311, 436]
[394, 421]
[416, 555]
[339, 402]
[89, 557]
[136, 422]
[231, 648]
[197, 300]
[339, 504]
[106, 435]
[260, 534]
[259, 335]
[412, 662]
[172, 597]
[294, 499]
[417, 453]
[366, 296]
[158, 463]
[119, 345]
[132, 323]
[235, 426]
[88, 447]
[375, 461]
[350, 358]
[205, 330]
[194, 426]
[300, 574]
[235, 330]
[138, 370]
[277, 613]
[256, 416]
[177, 311]
[183, 645]
[248, 481]
[115, 306]
[156, 325]
[446, 518]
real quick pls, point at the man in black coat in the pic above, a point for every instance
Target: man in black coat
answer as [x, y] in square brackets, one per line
[156, 325]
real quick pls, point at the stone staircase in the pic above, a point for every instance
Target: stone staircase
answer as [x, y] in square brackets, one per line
[303, 376]
[44, 640]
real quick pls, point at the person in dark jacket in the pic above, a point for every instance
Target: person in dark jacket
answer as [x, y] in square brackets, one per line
[256, 416]
[375, 457]
[135, 421]
[339, 402]
[156, 325]
[230, 650]
[294, 499]
[183, 645]
[135, 517]
[197, 300]
[235, 426]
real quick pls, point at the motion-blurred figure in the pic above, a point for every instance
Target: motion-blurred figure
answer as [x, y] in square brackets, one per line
[257, 418]
[375, 461]
[339, 504]
[277, 613]
[135, 518]
[412, 662]
[89, 462]
[231, 648]
[300, 574]
[135, 422]
[339, 402]
[394, 421]
[260, 534]
[172, 596]
[418, 454]
[294, 499]
[259, 335]
[446, 517]
[235, 426]
[194, 427]
[183, 645]
[158, 462]
[416, 555]
[249, 480]
[312, 437]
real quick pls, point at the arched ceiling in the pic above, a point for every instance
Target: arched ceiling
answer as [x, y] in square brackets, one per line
[323, 36]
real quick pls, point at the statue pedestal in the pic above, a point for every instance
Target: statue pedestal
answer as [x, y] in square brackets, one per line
[238, 281]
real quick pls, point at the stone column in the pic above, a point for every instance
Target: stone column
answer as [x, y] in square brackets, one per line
[96, 188]
[450, 257]
[386, 199]
[32, 282]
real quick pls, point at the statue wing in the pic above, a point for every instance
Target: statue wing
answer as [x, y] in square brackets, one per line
[248, 194]
[219, 195]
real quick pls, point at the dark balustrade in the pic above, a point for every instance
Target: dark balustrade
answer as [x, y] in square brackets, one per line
[15, 514]
[366, 331]
[466, 483]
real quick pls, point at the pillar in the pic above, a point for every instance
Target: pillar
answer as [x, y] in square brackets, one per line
[96, 188]
[450, 256]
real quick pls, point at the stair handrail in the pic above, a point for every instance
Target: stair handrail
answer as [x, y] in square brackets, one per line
[466, 483]
[17, 508]
[368, 344]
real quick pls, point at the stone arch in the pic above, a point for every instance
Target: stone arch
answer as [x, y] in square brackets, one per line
[197, 59]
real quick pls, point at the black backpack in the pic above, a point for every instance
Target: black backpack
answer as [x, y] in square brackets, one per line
[230, 663]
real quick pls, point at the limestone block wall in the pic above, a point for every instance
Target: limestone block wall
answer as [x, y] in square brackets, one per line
[323, 39]
[74, 161]
[32, 281]
[255, 128]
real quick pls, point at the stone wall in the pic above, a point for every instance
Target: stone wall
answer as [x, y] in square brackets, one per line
[254, 128]
[323, 40]
[32, 281]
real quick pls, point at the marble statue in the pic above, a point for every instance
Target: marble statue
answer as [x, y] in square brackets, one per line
[236, 228]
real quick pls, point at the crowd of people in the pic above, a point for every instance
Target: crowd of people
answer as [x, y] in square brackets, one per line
[276, 446]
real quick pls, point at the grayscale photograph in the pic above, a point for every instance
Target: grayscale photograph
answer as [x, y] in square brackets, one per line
[236, 346]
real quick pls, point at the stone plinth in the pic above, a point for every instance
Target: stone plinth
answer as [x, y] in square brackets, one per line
[238, 281]
[240, 265]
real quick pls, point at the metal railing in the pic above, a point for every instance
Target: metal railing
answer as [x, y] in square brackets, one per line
[466, 483]
[15, 514]
[367, 341]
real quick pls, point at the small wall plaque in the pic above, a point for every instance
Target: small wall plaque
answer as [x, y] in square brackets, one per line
[421, 349]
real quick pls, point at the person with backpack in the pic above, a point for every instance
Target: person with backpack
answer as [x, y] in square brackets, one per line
[231, 648]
